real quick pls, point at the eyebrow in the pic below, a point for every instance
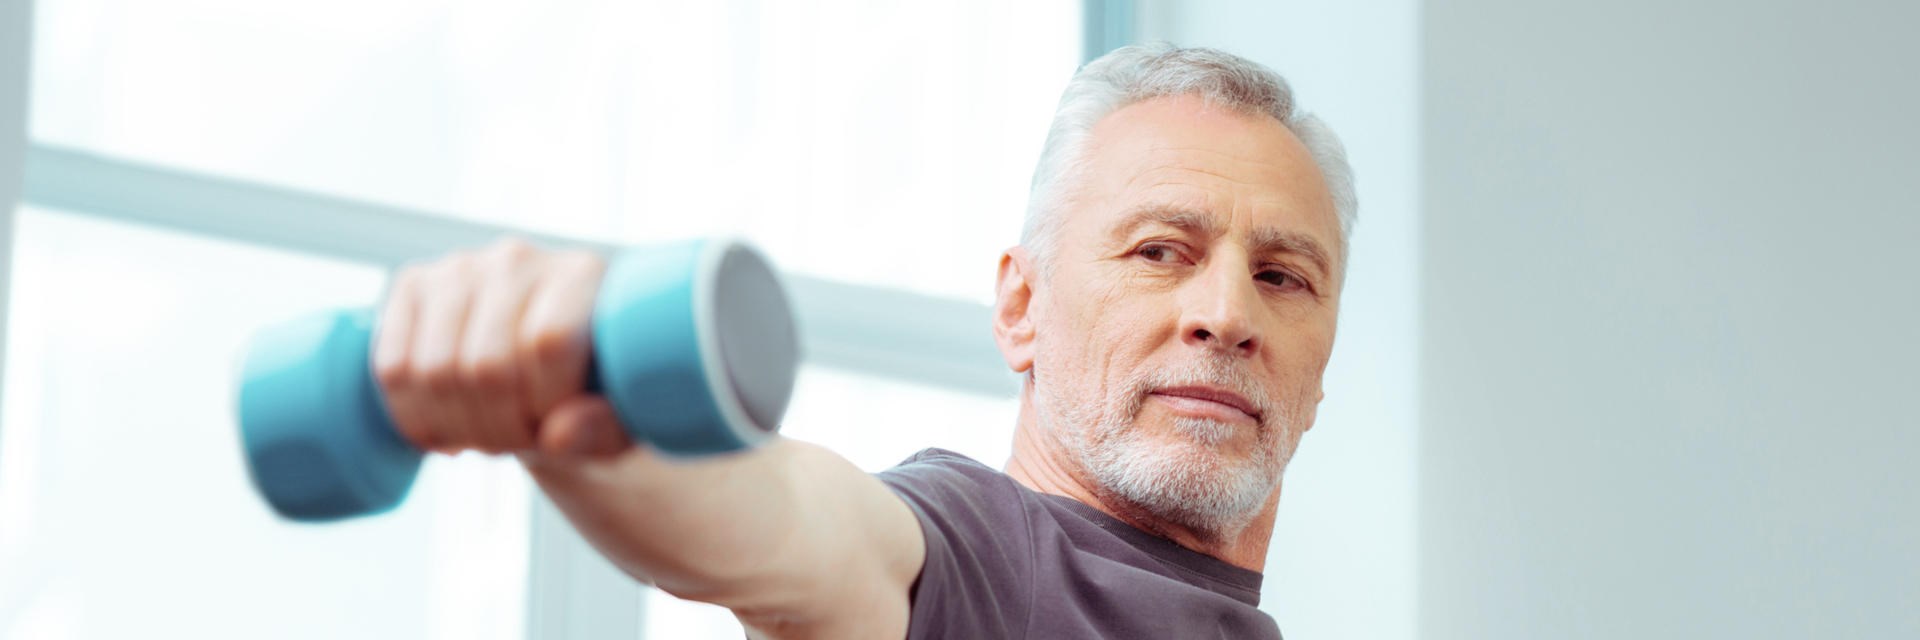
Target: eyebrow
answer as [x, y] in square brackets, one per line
[1265, 240]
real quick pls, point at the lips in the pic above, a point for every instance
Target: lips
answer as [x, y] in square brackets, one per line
[1214, 395]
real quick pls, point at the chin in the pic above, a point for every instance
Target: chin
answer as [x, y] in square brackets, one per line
[1210, 476]
[1194, 474]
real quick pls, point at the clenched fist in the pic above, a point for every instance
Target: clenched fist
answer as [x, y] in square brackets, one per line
[489, 350]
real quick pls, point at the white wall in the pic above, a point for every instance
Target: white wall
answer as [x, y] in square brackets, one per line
[1342, 563]
[1670, 325]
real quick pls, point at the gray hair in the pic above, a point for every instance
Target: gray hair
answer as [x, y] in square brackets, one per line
[1136, 73]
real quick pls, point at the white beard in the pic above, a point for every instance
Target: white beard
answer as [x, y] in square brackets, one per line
[1193, 483]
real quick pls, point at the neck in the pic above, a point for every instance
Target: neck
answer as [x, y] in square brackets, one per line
[1044, 464]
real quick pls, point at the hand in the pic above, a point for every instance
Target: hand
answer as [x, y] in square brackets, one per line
[489, 350]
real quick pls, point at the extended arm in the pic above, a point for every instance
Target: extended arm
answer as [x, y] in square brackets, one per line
[793, 538]
[488, 351]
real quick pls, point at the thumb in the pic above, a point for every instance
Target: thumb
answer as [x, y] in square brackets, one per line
[583, 426]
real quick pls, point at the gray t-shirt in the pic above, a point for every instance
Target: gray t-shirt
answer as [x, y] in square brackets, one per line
[1004, 561]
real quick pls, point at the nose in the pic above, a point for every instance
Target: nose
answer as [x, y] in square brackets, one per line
[1217, 310]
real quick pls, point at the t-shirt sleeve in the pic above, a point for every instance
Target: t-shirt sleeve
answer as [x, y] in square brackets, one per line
[977, 581]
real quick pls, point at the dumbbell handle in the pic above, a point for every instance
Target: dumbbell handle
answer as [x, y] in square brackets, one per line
[693, 345]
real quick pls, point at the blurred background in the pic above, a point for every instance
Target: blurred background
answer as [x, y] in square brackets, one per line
[1628, 344]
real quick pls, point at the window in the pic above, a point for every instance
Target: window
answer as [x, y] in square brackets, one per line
[879, 151]
[815, 129]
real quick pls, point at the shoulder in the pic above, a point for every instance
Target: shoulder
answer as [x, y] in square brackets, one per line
[959, 498]
[976, 580]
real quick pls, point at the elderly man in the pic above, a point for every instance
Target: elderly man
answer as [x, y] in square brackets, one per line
[1172, 304]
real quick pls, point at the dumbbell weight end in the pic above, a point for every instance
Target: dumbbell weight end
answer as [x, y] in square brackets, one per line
[314, 371]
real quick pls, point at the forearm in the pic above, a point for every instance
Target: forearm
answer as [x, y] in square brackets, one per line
[772, 532]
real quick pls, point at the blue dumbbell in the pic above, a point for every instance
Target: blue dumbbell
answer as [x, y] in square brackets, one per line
[693, 344]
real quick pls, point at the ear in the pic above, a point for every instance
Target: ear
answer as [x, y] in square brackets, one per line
[1012, 300]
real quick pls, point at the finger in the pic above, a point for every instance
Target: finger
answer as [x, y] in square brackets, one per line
[393, 367]
[489, 362]
[555, 343]
[445, 300]
[583, 426]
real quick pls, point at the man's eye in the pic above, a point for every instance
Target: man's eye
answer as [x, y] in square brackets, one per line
[1279, 279]
[1157, 253]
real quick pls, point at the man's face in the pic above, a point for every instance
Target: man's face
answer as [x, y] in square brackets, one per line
[1188, 311]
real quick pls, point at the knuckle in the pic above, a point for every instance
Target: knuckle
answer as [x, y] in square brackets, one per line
[459, 265]
[489, 373]
[511, 259]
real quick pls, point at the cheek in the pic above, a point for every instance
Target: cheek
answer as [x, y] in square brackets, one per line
[1126, 330]
[1061, 340]
[1103, 326]
[1087, 341]
[1299, 356]
[1088, 317]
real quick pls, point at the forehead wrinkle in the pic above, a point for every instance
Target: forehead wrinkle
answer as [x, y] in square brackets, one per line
[1278, 166]
[1159, 177]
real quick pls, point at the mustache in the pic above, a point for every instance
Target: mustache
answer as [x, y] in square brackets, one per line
[1223, 372]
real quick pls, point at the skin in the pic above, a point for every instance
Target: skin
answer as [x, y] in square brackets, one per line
[486, 350]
